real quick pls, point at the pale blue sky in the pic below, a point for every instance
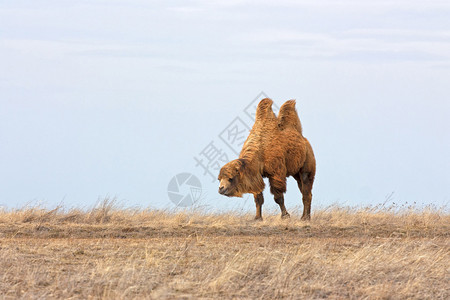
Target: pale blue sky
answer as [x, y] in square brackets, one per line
[114, 98]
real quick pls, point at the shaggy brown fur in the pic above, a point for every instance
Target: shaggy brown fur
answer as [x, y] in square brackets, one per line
[276, 149]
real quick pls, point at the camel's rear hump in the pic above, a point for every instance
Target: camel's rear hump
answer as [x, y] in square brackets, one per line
[288, 117]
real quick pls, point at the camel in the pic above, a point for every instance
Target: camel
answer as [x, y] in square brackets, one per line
[275, 149]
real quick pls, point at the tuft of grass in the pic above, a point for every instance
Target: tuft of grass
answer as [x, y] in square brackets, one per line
[107, 251]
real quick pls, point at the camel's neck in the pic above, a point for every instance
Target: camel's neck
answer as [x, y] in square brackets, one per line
[252, 152]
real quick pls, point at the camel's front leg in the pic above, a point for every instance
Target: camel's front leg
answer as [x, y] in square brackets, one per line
[259, 201]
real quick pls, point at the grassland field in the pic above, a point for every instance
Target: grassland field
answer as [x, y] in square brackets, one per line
[113, 253]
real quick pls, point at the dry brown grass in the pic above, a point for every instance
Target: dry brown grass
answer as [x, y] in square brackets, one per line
[376, 253]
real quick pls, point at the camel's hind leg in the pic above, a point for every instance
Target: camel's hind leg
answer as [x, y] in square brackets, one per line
[279, 199]
[305, 182]
[277, 188]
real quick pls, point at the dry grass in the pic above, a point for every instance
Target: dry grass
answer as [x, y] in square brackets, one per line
[375, 253]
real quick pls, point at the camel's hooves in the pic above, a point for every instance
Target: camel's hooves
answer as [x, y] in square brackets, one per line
[286, 216]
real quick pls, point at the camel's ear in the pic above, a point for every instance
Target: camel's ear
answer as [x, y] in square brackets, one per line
[241, 166]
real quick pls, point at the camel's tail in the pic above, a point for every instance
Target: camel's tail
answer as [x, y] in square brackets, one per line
[264, 111]
[288, 117]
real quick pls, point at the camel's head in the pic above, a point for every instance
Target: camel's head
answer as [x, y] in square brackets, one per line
[236, 179]
[230, 178]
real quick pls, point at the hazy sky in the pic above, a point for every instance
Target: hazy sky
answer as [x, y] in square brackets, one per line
[115, 98]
